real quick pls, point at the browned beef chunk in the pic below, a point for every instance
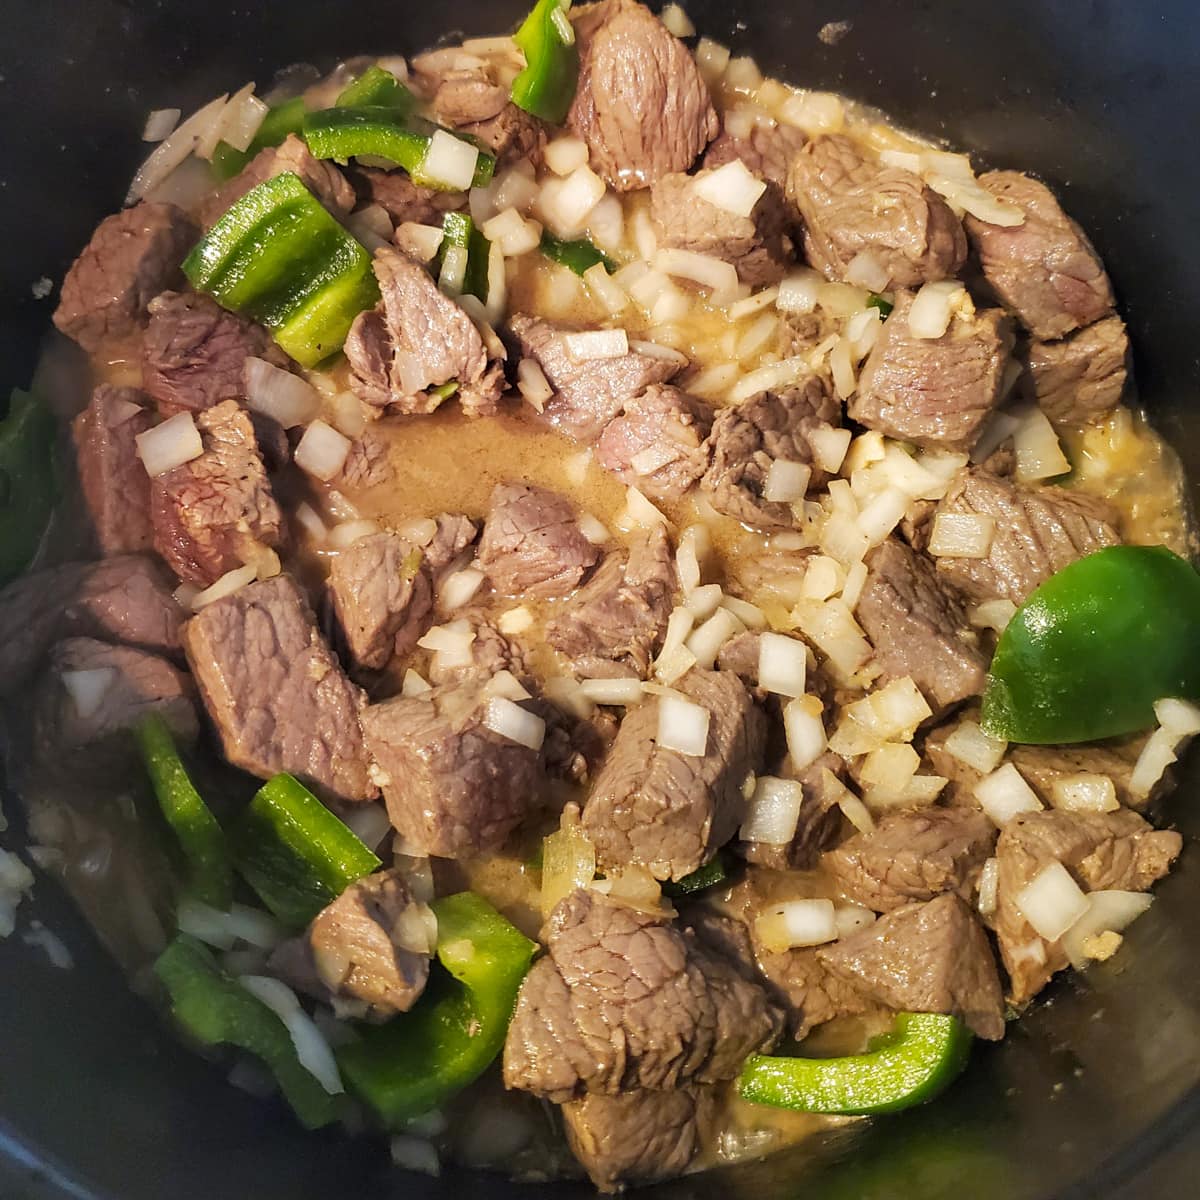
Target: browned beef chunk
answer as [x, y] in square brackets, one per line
[194, 352]
[919, 627]
[1045, 271]
[810, 993]
[671, 812]
[756, 245]
[115, 484]
[819, 823]
[1082, 376]
[1039, 530]
[851, 206]
[532, 544]
[403, 200]
[367, 464]
[590, 393]
[767, 150]
[211, 514]
[614, 624]
[414, 341]
[932, 957]
[278, 697]
[1101, 850]
[657, 443]
[133, 255]
[748, 438]
[453, 787]
[490, 652]
[933, 391]
[641, 104]
[624, 1000]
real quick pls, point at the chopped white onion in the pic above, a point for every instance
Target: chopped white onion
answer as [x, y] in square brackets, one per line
[749, 614]
[881, 514]
[593, 344]
[168, 154]
[533, 384]
[242, 117]
[565, 154]
[961, 535]
[814, 112]
[346, 533]
[989, 883]
[992, 614]
[773, 811]
[970, 745]
[322, 451]
[856, 580]
[451, 278]
[931, 311]
[414, 684]
[88, 688]
[677, 21]
[798, 292]
[1159, 752]
[706, 641]
[169, 444]
[796, 923]
[1178, 717]
[823, 577]
[804, 731]
[567, 203]
[459, 588]
[1108, 911]
[731, 187]
[768, 378]
[512, 233]
[782, 664]
[1084, 793]
[703, 601]
[831, 627]
[159, 124]
[829, 447]
[850, 918]
[1052, 901]
[712, 58]
[682, 726]
[608, 293]
[420, 241]
[568, 863]
[1038, 451]
[594, 529]
[569, 696]
[889, 767]
[975, 199]
[866, 271]
[1004, 794]
[230, 582]
[507, 685]
[714, 273]
[449, 161]
[621, 692]
[841, 364]
[371, 225]
[753, 304]
[287, 399]
[511, 721]
[694, 546]
[853, 809]
[786, 481]
[639, 511]
[312, 1049]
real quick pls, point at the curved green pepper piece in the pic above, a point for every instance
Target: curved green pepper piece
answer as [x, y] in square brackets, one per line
[417, 1061]
[577, 255]
[377, 88]
[458, 229]
[28, 484]
[1088, 654]
[547, 85]
[918, 1059]
[713, 872]
[281, 120]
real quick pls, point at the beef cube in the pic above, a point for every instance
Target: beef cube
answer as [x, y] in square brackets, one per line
[810, 993]
[851, 206]
[819, 823]
[454, 788]
[275, 692]
[640, 105]
[588, 394]
[657, 443]
[1044, 270]
[1083, 376]
[933, 957]
[133, 255]
[213, 514]
[532, 544]
[367, 465]
[489, 653]
[767, 151]
[414, 341]
[403, 200]
[919, 627]
[747, 438]
[670, 812]
[624, 1000]
[1039, 530]
[934, 391]
[115, 486]
[615, 623]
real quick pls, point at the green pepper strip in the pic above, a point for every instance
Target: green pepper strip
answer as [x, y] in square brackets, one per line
[919, 1058]
[1092, 649]
[459, 230]
[28, 482]
[377, 88]
[276, 255]
[216, 1009]
[295, 853]
[201, 838]
[281, 120]
[417, 1061]
[579, 255]
[874, 300]
[713, 872]
[547, 85]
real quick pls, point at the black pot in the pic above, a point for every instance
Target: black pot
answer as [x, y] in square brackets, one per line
[1096, 1092]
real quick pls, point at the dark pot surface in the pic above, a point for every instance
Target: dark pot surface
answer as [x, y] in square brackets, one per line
[1097, 1091]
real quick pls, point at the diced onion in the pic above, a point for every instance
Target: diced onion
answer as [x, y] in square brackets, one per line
[677, 21]
[749, 614]
[773, 811]
[731, 187]
[512, 233]
[371, 225]
[1004, 794]
[782, 664]
[703, 601]
[786, 481]
[798, 292]
[673, 665]
[889, 767]
[568, 863]
[1159, 752]
[829, 446]
[452, 640]
[346, 533]
[594, 529]
[706, 641]
[704, 269]
[569, 696]
[1052, 901]
[639, 511]
[881, 514]
[989, 882]
[796, 923]
[1038, 452]
[992, 614]
[814, 112]
[931, 311]
[420, 241]
[853, 809]
[823, 577]
[169, 444]
[850, 918]
[682, 726]
[532, 383]
[449, 161]
[610, 295]
[565, 154]
[451, 276]
[971, 746]
[753, 304]
[623, 692]
[88, 688]
[961, 535]
[160, 123]
[230, 582]
[856, 580]
[567, 203]
[1108, 911]
[414, 684]
[768, 378]
[1178, 717]
[833, 630]
[322, 451]
[511, 721]
[1084, 793]
[168, 154]
[842, 367]
[506, 684]
[975, 199]
[593, 344]
[312, 1049]
[712, 58]
[866, 271]
[242, 117]
[804, 731]
[414, 1153]
[459, 588]
[287, 399]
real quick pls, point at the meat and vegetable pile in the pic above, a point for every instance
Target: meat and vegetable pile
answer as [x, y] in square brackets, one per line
[585, 582]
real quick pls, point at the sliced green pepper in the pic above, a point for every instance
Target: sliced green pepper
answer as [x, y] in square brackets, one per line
[216, 1010]
[547, 85]
[922, 1055]
[295, 853]
[281, 120]
[1088, 654]
[417, 1061]
[459, 230]
[276, 255]
[377, 88]
[874, 300]
[713, 872]
[578, 255]
[200, 837]
[28, 483]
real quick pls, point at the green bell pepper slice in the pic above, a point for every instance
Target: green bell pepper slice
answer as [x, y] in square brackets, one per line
[921, 1056]
[874, 300]
[578, 255]
[547, 84]
[701, 879]
[458, 229]
[1092, 649]
[295, 853]
[418, 1060]
[280, 121]
[28, 481]
[215, 1010]
[200, 836]
[377, 88]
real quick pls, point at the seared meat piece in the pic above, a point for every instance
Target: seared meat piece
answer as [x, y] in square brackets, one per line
[133, 255]
[614, 624]
[810, 993]
[366, 465]
[918, 626]
[211, 514]
[415, 340]
[402, 199]
[1083, 376]
[275, 692]
[1102, 851]
[591, 393]
[767, 150]
[532, 544]
[747, 438]
[641, 105]
[1039, 530]
[819, 823]
[670, 812]
[851, 206]
[453, 787]
[490, 653]
[1045, 270]
[624, 1000]
[933, 391]
[657, 443]
[914, 854]
[932, 957]
[115, 484]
